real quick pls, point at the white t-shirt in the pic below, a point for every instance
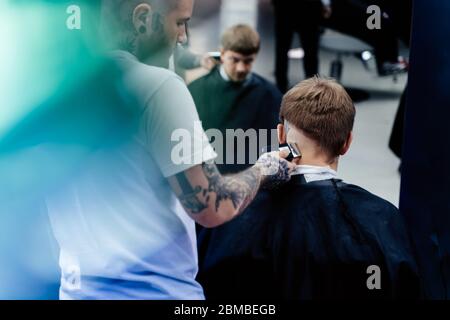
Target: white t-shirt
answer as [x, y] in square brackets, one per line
[122, 232]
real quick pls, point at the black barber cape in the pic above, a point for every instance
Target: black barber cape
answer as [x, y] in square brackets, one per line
[252, 104]
[310, 241]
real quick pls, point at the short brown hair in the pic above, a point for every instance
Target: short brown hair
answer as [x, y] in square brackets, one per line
[323, 110]
[242, 39]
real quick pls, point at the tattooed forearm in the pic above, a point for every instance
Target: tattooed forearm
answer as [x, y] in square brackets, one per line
[188, 196]
[203, 190]
[240, 189]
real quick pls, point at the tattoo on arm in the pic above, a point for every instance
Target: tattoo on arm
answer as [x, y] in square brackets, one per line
[240, 189]
[188, 197]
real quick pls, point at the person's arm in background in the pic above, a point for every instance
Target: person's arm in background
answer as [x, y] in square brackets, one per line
[212, 199]
[188, 60]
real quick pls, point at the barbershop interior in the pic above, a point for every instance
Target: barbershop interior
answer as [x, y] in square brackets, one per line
[386, 61]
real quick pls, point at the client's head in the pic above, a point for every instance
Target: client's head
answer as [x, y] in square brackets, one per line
[318, 116]
[240, 46]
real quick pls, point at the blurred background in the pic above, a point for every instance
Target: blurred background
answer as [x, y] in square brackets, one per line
[381, 94]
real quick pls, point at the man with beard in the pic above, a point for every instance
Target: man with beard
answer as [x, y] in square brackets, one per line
[125, 221]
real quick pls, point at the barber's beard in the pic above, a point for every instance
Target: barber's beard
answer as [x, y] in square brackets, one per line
[157, 50]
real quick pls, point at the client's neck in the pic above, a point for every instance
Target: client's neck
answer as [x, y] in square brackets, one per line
[318, 160]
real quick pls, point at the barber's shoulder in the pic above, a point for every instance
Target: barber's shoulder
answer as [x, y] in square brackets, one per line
[146, 81]
[158, 76]
[140, 73]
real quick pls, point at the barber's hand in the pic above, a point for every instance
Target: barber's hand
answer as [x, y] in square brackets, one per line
[207, 62]
[275, 168]
[327, 11]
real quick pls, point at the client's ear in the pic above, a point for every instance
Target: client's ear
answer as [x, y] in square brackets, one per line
[281, 134]
[347, 144]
